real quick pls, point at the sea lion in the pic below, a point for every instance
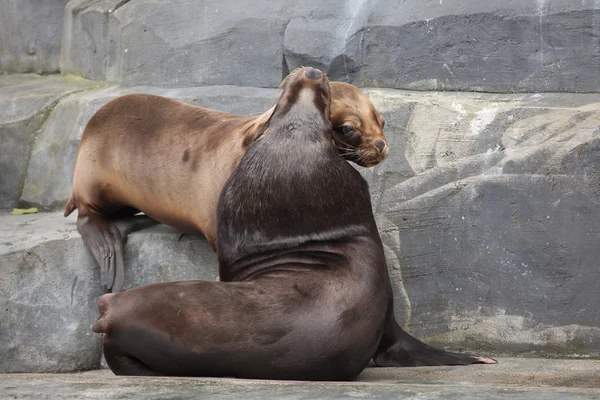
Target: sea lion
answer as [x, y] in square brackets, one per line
[306, 289]
[305, 292]
[170, 160]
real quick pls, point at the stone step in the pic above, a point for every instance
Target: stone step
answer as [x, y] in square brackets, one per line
[517, 46]
[513, 378]
[487, 207]
[50, 285]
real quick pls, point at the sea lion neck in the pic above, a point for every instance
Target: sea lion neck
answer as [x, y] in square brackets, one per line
[312, 194]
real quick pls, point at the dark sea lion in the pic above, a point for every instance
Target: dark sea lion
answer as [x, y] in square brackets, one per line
[170, 160]
[305, 292]
[307, 289]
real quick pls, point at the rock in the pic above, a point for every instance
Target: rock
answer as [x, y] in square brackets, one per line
[25, 101]
[522, 46]
[48, 296]
[30, 33]
[493, 200]
[51, 285]
[162, 254]
[49, 179]
[181, 43]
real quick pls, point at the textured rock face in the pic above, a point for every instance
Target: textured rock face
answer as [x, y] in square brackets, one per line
[30, 33]
[493, 200]
[25, 102]
[50, 286]
[523, 45]
[47, 296]
[180, 43]
[162, 254]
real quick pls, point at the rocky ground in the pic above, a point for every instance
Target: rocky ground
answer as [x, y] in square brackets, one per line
[512, 378]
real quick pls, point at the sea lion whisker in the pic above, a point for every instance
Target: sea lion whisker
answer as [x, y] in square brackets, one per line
[346, 153]
[347, 145]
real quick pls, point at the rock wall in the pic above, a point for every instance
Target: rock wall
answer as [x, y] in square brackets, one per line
[26, 103]
[513, 46]
[30, 35]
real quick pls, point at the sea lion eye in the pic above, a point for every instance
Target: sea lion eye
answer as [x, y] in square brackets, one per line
[346, 130]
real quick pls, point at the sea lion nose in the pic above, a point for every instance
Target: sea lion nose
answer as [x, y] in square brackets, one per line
[313, 73]
[380, 145]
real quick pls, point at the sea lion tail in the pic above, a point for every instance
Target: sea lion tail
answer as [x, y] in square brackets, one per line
[71, 206]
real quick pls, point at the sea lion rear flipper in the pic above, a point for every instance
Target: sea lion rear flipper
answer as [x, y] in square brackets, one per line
[103, 239]
[399, 349]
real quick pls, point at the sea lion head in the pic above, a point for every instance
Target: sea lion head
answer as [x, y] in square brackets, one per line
[305, 98]
[358, 127]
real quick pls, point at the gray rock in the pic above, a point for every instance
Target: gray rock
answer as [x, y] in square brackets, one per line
[179, 43]
[162, 254]
[25, 101]
[48, 296]
[30, 33]
[51, 285]
[524, 45]
[49, 178]
[493, 201]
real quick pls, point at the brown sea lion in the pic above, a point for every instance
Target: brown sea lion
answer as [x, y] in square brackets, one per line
[170, 160]
[305, 292]
[298, 243]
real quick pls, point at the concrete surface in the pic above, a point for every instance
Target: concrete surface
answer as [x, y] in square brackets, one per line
[514, 46]
[510, 379]
[30, 35]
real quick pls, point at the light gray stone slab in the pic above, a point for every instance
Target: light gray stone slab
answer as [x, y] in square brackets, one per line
[513, 46]
[30, 34]
[511, 378]
[25, 103]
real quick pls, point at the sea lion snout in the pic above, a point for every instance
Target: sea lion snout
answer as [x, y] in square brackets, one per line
[313, 73]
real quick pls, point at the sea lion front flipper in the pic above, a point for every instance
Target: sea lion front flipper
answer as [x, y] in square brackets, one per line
[103, 239]
[399, 349]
